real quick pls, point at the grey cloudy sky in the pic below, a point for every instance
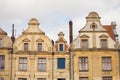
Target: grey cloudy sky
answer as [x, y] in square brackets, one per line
[54, 15]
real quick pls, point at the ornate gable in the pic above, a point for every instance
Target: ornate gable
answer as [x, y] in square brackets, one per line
[39, 40]
[26, 40]
[84, 36]
[103, 36]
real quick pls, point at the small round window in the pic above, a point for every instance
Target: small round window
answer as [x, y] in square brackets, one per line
[93, 26]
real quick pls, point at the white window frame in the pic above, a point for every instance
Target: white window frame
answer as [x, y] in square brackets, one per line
[83, 64]
[22, 63]
[59, 47]
[42, 64]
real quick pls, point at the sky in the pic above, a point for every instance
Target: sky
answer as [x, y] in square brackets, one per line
[54, 15]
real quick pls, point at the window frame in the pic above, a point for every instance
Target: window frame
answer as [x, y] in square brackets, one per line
[83, 44]
[83, 64]
[22, 78]
[108, 67]
[83, 78]
[61, 79]
[1, 78]
[59, 63]
[39, 47]
[1, 42]
[23, 63]
[42, 66]
[2, 62]
[107, 77]
[59, 46]
[104, 45]
[26, 46]
[41, 78]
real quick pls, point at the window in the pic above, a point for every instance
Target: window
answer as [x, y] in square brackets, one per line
[83, 64]
[106, 63]
[22, 79]
[39, 46]
[23, 64]
[1, 78]
[41, 79]
[61, 79]
[60, 47]
[42, 64]
[83, 78]
[84, 43]
[25, 46]
[61, 63]
[2, 62]
[103, 43]
[0, 43]
[107, 78]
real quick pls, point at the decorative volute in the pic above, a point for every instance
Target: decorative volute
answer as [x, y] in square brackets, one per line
[33, 27]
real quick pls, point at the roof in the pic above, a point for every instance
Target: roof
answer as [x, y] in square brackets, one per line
[110, 31]
[2, 32]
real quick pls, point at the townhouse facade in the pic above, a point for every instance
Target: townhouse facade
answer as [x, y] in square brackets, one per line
[93, 55]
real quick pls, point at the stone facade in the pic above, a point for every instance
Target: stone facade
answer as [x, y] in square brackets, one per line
[93, 55]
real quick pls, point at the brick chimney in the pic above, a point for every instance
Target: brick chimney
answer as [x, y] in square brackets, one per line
[70, 31]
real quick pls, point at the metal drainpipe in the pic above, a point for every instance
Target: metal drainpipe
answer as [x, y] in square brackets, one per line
[52, 60]
[70, 64]
[11, 51]
[119, 61]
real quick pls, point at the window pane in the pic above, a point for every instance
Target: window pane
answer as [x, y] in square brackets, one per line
[41, 64]
[103, 43]
[84, 43]
[106, 63]
[22, 79]
[61, 79]
[83, 63]
[25, 46]
[2, 62]
[61, 63]
[60, 47]
[1, 78]
[0, 43]
[83, 78]
[41, 79]
[22, 63]
[107, 78]
[39, 46]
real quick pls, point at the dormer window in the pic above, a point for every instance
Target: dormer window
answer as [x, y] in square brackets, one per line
[39, 46]
[103, 43]
[61, 47]
[25, 46]
[84, 43]
[0, 43]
